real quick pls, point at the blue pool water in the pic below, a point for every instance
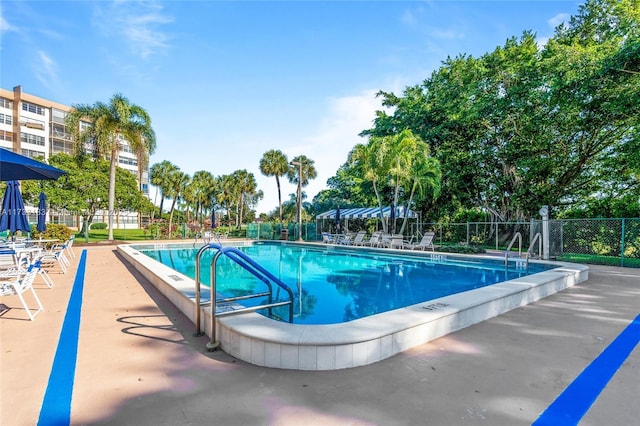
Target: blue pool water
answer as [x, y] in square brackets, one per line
[333, 285]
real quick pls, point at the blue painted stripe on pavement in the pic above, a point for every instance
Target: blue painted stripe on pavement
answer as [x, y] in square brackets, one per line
[56, 407]
[575, 401]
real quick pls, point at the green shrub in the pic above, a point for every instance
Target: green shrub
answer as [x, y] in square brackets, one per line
[98, 225]
[54, 231]
[462, 248]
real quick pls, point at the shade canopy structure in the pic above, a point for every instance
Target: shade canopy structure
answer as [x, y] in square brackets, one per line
[367, 213]
[42, 213]
[18, 167]
[13, 216]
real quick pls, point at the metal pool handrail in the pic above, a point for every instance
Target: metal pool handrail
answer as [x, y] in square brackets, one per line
[252, 267]
[517, 236]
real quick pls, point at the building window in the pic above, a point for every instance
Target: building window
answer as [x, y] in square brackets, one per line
[58, 116]
[127, 161]
[6, 119]
[32, 139]
[32, 154]
[29, 107]
[6, 136]
[6, 103]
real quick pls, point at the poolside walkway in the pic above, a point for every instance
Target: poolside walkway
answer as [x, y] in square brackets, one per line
[138, 363]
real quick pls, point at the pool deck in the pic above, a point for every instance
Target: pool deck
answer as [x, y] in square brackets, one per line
[138, 363]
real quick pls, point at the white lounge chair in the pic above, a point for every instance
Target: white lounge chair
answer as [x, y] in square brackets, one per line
[18, 285]
[426, 242]
[374, 241]
[8, 259]
[397, 241]
[55, 256]
[358, 240]
[327, 238]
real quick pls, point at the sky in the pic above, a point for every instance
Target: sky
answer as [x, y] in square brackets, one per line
[226, 81]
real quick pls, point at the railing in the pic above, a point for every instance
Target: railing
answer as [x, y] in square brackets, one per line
[252, 267]
[537, 237]
[516, 236]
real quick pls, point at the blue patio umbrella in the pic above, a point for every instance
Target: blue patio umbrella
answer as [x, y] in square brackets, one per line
[14, 216]
[18, 167]
[392, 218]
[42, 213]
[213, 219]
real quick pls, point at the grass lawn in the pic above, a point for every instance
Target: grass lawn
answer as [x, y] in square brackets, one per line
[594, 259]
[97, 235]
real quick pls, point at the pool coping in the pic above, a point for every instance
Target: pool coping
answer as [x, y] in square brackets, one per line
[261, 341]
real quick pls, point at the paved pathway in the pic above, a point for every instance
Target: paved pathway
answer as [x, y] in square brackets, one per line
[138, 363]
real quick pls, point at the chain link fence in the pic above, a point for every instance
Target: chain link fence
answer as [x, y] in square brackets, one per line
[597, 241]
[613, 242]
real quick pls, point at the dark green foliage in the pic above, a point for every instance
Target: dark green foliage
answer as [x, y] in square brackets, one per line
[525, 126]
[98, 225]
[462, 248]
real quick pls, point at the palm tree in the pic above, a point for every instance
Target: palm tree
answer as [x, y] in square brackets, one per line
[143, 145]
[245, 192]
[423, 173]
[109, 126]
[368, 159]
[301, 172]
[308, 170]
[204, 187]
[178, 180]
[159, 174]
[275, 163]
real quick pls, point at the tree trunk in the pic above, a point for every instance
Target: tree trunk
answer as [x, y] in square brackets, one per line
[112, 191]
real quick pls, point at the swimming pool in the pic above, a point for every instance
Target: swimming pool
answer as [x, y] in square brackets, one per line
[339, 285]
[253, 338]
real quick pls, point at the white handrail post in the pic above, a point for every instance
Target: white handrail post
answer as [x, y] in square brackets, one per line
[544, 212]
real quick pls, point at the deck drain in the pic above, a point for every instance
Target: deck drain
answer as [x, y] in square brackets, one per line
[175, 278]
[434, 306]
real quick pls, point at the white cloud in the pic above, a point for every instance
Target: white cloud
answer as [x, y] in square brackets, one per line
[447, 34]
[137, 23]
[328, 145]
[46, 70]
[5, 26]
[558, 19]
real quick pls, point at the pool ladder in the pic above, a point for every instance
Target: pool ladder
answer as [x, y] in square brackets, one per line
[527, 255]
[251, 266]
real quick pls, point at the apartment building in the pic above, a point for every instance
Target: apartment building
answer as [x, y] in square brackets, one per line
[35, 127]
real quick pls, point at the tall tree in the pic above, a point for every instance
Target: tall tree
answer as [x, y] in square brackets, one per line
[308, 172]
[204, 188]
[275, 163]
[525, 126]
[109, 125]
[160, 173]
[178, 181]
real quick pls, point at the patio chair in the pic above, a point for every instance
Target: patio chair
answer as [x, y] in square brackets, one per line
[359, 238]
[8, 260]
[346, 240]
[426, 242]
[16, 265]
[397, 241]
[327, 238]
[374, 241]
[70, 246]
[55, 256]
[20, 284]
